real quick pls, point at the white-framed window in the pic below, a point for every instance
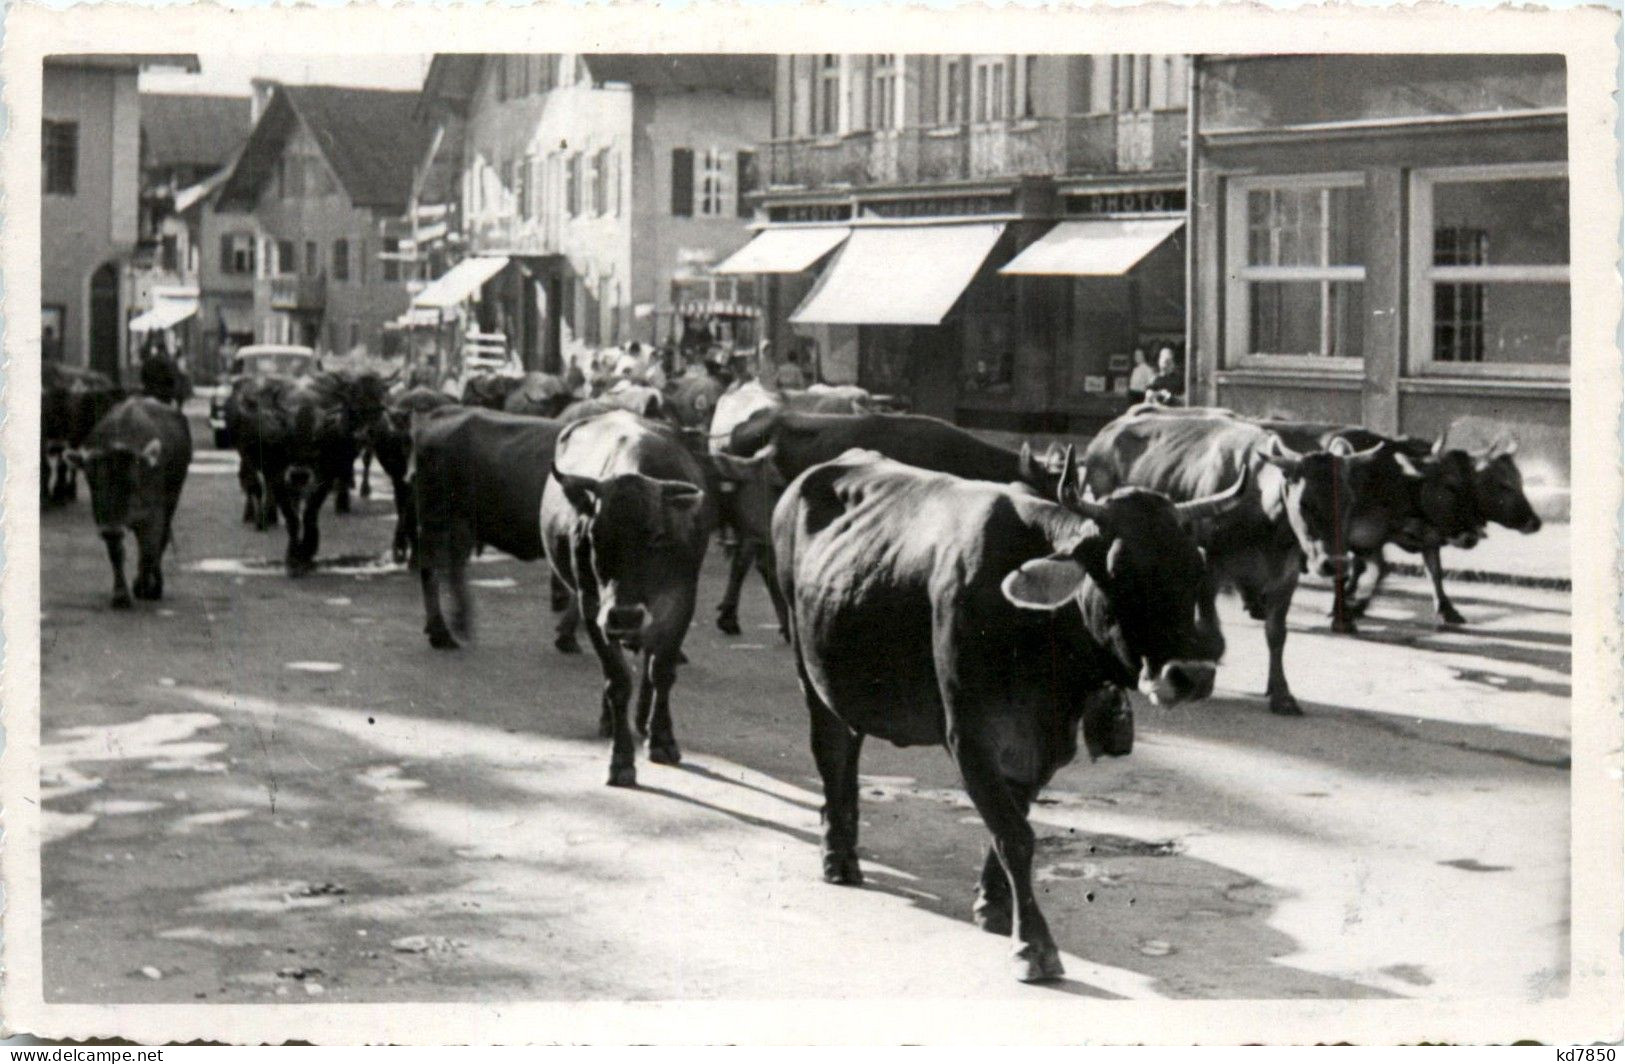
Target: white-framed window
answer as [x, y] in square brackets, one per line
[827, 95]
[885, 80]
[951, 90]
[1489, 279]
[1295, 271]
[988, 92]
[716, 196]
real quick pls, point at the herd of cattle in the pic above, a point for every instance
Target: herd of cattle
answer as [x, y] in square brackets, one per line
[934, 588]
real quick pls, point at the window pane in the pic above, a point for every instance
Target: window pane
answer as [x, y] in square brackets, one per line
[1306, 227]
[1523, 221]
[1306, 318]
[1509, 323]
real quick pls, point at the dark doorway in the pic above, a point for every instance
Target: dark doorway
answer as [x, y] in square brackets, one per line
[553, 354]
[104, 320]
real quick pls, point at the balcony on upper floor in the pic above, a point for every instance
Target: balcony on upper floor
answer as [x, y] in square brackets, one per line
[298, 292]
[1127, 143]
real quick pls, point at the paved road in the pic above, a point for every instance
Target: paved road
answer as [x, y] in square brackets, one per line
[263, 789]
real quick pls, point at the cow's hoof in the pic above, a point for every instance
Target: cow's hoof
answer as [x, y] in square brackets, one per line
[1037, 964]
[301, 568]
[1285, 706]
[842, 870]
[728, 625]
[1450, 617]
[122, 601]
[623, 776]
[665, 753]
[341, 505]
[1344, 626]
[992, 918]
[784, 633]
[440, 638]
[567, 644]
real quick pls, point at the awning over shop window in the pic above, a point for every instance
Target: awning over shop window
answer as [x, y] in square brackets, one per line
[899, 275]
[788, 250]
[1103, 247]
[460, 282]
[166, 315]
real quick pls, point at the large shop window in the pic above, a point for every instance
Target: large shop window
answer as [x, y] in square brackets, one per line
[1490, 288]
[1296, 272]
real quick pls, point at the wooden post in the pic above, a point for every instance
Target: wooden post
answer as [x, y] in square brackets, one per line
[1385, 329]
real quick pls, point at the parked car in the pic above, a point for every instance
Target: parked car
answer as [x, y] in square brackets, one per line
[256, 360]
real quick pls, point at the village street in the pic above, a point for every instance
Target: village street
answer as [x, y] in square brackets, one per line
[262, 789]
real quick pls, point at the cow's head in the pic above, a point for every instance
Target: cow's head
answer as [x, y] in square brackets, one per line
[117, 474]
[640, 532]
[1141, 583]
[1498, 487]
[1316, 493]
[1384, 493]
[315, 426]
[1447, 498]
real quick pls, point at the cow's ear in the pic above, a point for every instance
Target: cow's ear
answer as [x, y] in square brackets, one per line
[1045, 583]
[153, 451]
[582, 492]
[681, 496]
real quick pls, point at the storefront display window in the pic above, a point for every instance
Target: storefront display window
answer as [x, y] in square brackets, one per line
[1296, 292]
[1490, 291]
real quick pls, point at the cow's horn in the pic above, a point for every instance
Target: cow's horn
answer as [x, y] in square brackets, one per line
[1438, 445]
[1213, 505]
[1064, 486]
[1279, 448]
[1369, 452]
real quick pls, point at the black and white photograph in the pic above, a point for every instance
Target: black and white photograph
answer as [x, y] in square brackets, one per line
[1071, 532]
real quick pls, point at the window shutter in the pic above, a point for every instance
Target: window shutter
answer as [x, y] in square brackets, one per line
[682, 182]
[225, 253]
[746, 182]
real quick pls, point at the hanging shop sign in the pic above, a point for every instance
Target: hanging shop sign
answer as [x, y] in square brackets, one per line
[940, 206]
[810, 212]
[1132, 201]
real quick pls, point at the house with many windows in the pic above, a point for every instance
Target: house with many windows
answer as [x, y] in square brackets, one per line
[563, 158]
[90, 181]
[1385, 241]
[302, 221]
[990, 236]
[187, 140]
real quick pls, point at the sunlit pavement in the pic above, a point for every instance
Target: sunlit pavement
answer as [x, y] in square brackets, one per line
[262, 789]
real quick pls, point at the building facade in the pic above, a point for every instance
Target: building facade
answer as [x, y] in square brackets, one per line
[187, 140]
[1385, 241]
[90, 174]
[991, 236]
[565, 157]
[299, 233]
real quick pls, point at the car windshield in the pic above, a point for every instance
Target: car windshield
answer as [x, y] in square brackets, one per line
[286, 362]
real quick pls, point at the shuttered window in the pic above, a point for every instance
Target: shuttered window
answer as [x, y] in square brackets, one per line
[748, 179]
[59, 157]
[682, 182]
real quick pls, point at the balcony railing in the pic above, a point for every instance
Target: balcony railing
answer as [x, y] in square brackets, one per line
[299, 292]
[1134, 142]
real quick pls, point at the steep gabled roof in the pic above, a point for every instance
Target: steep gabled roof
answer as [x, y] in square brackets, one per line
[370, 137]
[193, 130]
[454, 77]
[747, 75]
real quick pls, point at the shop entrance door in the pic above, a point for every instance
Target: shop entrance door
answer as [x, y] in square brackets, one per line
[104, 320]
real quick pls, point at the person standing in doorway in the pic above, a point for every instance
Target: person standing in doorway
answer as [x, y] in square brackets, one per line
[1170, 376]
[1141, 376]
